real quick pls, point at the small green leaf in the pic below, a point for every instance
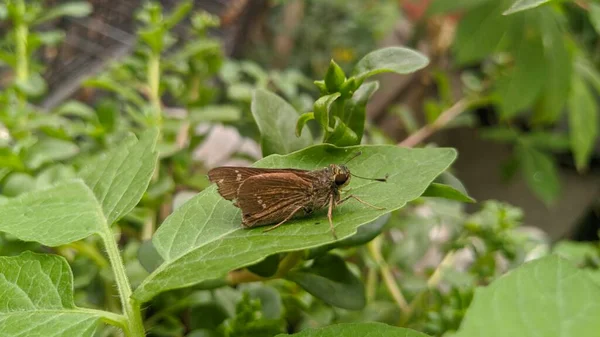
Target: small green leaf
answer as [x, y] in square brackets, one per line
[215, 113]
[341, 135]
[356, 107]
[48, 150]
[33, 86]
[329, 279]
[120, 177]
[546, 140]
[436, 190]
[322, 109]
[17, 183]
[322, 86]
[120, 89]
[302, 120]
[74, 9]
[37, 298]
[357, 330]
[334, 77]
[75, 108]
[276, 120]
[53, 175]
[178, 14]
[392, 59]
[266, 267]
[583, 122]
[107, 111]
[545, 297]
[594, 13]
[540, 173]
[62, 214]
[200, 234]
[521, 5]
[500, 134]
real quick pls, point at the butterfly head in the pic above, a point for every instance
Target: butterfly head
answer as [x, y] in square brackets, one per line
[341, 175]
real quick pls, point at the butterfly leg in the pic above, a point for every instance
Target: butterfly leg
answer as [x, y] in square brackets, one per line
[284, 220]
[330, 216]
[359, 200]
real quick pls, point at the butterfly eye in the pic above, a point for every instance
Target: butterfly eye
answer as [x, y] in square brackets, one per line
[340, 179]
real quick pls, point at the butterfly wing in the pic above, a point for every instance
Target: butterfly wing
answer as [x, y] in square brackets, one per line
[271, 197]
[229, 178]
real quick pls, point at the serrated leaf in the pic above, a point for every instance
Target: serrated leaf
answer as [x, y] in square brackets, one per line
[583, 122]
[546, 297]
[205, 233]
[330, 280]
[358, 330]
[37, 298]
[436, 190]
[522, 5]
[322, 108]
[392, 59]
[47, 150]
[120, 178]
[74, 9]
[276, 120]
[64, 213]
[540, 173]
[356, 107]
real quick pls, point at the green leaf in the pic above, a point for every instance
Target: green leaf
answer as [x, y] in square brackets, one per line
[120, 178]
[75, 108]
[17, 183]
[500, 134]
[480, 31]
[37, 298]
[341, 135]
[594, 13]
[546, 140]
[334, 77]
[33, 86]
[276, 120]
[540, 173]
[545, 297]
[178, 14]
[445, 6]
[120, 89]
[522, 5]
[266, 267]
[559, 69]
[53, 175]
[74, 9]
[107, 110]
[356, 107]
[48, 150]
[215, 113]
[370, 329]
[329, 279]
[521, 86]
[322, 108]
[64, 213]
[392, 59]
[206, 234]
[436, 190]
[583, 122]
[302, 120]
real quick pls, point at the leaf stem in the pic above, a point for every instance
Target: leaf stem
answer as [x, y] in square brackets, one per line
[375, 250]
[131, 308]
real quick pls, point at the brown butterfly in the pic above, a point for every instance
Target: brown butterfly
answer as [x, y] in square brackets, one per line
[268, 196]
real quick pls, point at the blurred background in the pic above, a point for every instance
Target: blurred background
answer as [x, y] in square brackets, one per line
[91, 71]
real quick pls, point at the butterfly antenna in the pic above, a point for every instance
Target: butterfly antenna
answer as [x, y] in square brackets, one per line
[383, 180]
[354, 156]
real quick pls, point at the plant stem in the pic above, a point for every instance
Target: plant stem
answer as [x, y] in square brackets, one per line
[22, 61]
[154, 85]
[131, 309]
[429, 129]
[375, 250]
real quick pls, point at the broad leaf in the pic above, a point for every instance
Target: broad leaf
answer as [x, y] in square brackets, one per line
[120, 178]
[583, 122]
[546, 297]
[522, 5]
[37, 298]
[358, 330]
[64, 213]
[436, 190]
[329, 279]
[540, 173]
[276, 120]
[392, 59]
[356, 107]
[205, 233]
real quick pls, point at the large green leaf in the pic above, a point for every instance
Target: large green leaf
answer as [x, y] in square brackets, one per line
[203, 239]
[37, 298]
[329, 279]
[583, 121]
[276, 120]
[64, 213]
[521, 5]
[392, 59]
[546, 297]
[358, 330]
[540, 172]
[120, 178]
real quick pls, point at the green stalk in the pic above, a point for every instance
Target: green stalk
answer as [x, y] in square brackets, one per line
[21, 36]
[154, 84]
[131, 308]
